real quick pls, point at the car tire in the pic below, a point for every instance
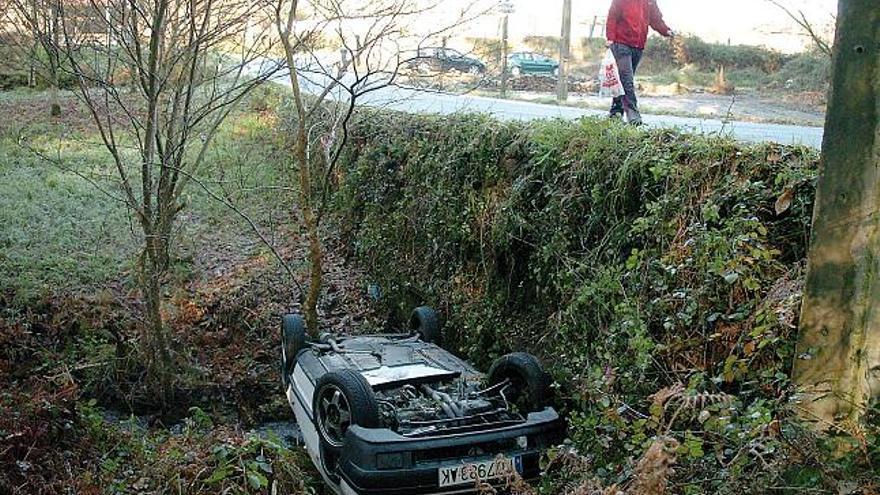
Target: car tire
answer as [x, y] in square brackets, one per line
[475, 70]
[342, 398]
[516, 72]
[530, 383]
[424, 322]
[293, 340]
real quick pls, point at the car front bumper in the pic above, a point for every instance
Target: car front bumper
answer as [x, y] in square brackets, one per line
[417, 460]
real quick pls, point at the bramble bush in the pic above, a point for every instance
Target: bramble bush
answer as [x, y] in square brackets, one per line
[657, 274]
[661, 53]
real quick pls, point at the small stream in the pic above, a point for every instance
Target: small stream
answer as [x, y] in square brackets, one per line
[287, 431]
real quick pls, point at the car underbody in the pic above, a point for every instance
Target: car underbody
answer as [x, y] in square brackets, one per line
[397, 414]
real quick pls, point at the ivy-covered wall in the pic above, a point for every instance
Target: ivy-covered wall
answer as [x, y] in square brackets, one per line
[630, 261]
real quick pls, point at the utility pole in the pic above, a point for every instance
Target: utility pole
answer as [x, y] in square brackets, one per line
[593, 26]
[564, 53]
[837, 367]
[506, 7]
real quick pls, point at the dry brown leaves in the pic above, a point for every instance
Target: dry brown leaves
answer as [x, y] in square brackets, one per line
[655, 468]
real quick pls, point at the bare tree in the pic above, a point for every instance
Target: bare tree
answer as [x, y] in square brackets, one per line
[808, 27]
[33, 31]
[159, 78]
[375, 38]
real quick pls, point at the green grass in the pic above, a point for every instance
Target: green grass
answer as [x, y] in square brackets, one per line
[59, 232]
[62, 231]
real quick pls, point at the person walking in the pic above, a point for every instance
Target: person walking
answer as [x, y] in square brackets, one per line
[627, 33]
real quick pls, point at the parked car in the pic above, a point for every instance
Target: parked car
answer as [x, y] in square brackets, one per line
[520, 63]
[397, 414]
[446, 59]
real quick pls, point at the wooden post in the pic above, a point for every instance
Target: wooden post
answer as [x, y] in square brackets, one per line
[838, 359]
[504, 56]
[564, 52]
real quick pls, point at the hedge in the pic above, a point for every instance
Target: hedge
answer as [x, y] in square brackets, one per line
[636, 264]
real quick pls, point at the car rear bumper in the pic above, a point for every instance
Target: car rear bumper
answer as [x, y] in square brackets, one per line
[416, 461]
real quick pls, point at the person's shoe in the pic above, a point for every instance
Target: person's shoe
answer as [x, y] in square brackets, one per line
[633, 116]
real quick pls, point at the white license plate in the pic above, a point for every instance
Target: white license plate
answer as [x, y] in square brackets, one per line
[461, 474]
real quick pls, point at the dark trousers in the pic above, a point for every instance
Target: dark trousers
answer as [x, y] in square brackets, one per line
[628, 59]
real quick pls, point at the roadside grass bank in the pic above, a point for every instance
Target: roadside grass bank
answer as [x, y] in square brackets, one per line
[658, 275]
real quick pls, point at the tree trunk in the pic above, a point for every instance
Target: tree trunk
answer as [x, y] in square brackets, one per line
[838, 365]
[311, 224]
[54, 60]
[56, 100]
[35, 47]
[155, 345]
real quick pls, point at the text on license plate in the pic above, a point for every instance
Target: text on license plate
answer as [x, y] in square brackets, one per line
[461, 474]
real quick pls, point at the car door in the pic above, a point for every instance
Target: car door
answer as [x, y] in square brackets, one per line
[438, 59]
[536, 65]
[522, 62]
[454, 59]
[546, 64]
[512, 61]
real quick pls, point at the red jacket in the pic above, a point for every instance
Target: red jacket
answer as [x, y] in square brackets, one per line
[628, 22]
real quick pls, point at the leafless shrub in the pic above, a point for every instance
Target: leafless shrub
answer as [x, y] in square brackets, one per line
[375, 39]
[175, 70]
[32, 30]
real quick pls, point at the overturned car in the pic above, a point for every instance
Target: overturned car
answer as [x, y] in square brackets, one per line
[397, 414]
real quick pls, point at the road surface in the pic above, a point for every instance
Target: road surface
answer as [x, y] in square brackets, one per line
[425, 101]
[418, 101]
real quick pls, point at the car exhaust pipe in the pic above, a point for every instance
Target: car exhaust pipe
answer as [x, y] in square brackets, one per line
[449, 406]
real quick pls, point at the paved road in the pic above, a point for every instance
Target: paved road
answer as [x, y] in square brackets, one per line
[432, 102]
[421, 101]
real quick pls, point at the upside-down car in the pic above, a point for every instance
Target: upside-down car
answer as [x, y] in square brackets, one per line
[397, 414]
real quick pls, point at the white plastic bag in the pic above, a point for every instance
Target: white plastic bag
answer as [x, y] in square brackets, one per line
[609, 77]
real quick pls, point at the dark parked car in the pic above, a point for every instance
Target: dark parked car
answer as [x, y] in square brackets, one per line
[520, 63]
[446, 59]
[397, 414]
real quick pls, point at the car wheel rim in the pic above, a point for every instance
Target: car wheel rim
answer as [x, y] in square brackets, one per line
[334, 415]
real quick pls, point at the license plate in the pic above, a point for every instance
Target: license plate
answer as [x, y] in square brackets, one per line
[462, 474]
